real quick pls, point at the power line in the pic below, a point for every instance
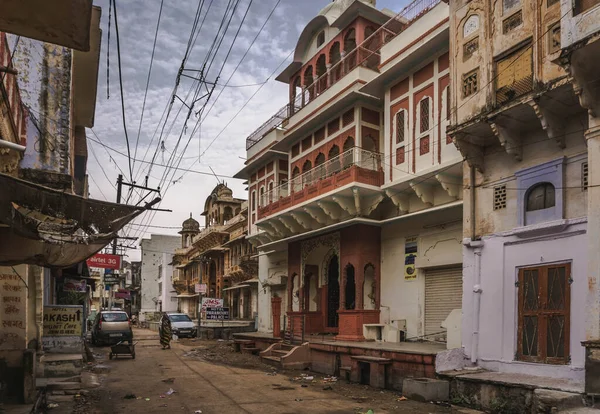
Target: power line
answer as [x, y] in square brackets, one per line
[148, 81]
[99, 189]
[121, 88]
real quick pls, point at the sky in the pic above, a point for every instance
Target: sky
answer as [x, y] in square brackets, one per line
[218, 143]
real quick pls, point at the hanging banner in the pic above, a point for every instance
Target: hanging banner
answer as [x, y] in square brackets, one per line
[105, 261]
[72, 285]
[410, 254]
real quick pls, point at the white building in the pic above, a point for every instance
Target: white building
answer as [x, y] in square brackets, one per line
[152, 256]
[167, 301]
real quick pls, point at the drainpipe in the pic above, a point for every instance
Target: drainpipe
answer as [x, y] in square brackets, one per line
[12, 145]
[477, 245]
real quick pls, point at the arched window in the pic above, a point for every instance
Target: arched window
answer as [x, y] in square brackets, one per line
[350, 289]
[400, 126]
[271, 197]
[348, 152]
[372, 42]
[320, 39]
[319, 167]
[471, 25]
[333, 157]
[296, 184]
[309, 92]
[306, 174]
[350, 50]
[334, 152]
[262, 197]
[253, 201]
[424, 115]
[296, 93]
[334, 58]
[540, 197]
[369, 287]
[321, 71]
[227, 214]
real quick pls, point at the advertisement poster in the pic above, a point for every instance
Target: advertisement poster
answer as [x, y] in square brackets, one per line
[410, 254]
[200, 288]
[72, 285]
[63, 320]
[105, 261]
[211, 303]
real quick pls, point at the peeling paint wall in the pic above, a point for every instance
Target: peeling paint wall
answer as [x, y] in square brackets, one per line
[45, 84]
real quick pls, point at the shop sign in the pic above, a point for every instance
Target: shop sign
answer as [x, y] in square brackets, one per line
[211, 303]
[200, 288]
[72, 285]
[63, 320]
[410, 254]
[105, 261]
[217, 314]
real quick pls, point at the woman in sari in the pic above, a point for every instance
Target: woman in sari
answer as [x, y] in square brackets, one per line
[166, 333]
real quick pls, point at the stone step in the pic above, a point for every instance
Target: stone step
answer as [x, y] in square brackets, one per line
[546, 401]
[280, 352]
[272, 360]
[287, 347]
[61, 365]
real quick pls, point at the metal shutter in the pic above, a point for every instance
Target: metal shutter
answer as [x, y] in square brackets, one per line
[443, 293]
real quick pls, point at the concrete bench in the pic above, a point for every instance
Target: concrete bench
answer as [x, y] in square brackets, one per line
[369, 370]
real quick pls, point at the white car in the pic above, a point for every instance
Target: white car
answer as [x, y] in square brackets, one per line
[182, 325]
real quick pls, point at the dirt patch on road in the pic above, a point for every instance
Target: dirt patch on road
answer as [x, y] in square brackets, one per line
[222, 352]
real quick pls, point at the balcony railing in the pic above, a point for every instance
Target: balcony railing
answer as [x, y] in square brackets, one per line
[353, 165]
[367, 54]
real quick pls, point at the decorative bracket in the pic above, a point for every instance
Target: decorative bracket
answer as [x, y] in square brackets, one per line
[346, 203]
[372, 203]
[450, 183]
[400, 200]
[584, 88]
[551, 123]
[268, 228]
[291, 224]
[317, 214]
[424, 191]
[472, 153]
[357, 206]
[281, 228]
[512, 144]
[333, 210]
[305, 220]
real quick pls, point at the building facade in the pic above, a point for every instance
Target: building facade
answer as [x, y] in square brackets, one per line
[525, 135]
[153, 250]
[355, 190]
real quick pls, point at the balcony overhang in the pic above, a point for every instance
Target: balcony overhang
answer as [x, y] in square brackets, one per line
[354, 200]
[51, 228]
[267, 155]
[360, 9]
[411, 55]
[85, 75]
[65, 23]
[546, 109]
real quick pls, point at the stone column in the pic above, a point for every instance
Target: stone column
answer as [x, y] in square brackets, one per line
[592, 135]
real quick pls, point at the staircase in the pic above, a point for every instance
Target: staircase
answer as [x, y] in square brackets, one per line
[245, 346]
[287, 356]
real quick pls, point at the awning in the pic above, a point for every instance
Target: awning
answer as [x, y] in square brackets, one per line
[65, 23]
[188, 295]
[51, 228]
[236, 287]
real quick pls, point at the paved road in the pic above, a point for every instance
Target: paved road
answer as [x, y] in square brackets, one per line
[214, 388]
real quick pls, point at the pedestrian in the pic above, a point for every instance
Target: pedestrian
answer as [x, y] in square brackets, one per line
[166, 333]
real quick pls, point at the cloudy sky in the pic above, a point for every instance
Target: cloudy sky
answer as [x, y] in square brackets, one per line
[185, 192]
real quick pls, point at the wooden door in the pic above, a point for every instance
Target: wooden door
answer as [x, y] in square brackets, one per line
[544, 314]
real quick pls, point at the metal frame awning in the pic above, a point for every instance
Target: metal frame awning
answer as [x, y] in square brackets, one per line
[51, 228]
[236, 287]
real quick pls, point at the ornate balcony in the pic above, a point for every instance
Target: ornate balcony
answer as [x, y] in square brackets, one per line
[354, 165]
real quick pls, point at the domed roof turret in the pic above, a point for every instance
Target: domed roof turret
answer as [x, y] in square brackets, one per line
[190, 226]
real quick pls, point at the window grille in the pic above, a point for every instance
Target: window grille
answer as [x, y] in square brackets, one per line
[514, 75]
[470, 47]
[424, 145]
[333, 126]
[400, 126]
[554, 38]
[348, 118]
[424, 112]
[512, 22]
[320, 135]
[470, 83]
[509, 4]
[400, 155]
[499, 197]
[584, 176]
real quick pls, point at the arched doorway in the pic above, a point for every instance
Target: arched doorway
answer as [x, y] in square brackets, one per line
[350, 288]
[348, 157]
[309, 88]
[350, 50]
[333, 292]
[334, 57]
[321, 71]
[334, 160]
[295, 294]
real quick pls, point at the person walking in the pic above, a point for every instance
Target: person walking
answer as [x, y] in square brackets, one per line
[166, 332]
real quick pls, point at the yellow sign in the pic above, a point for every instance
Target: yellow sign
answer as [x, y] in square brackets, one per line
[410, 254]
[63, 320]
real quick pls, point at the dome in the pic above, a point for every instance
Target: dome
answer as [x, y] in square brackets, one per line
[190, 225]
[334, 9]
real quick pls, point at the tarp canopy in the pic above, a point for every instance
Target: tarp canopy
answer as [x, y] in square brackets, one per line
[51, 228]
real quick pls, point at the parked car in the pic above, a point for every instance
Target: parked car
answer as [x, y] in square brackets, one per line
[181, 325]
[112, 327]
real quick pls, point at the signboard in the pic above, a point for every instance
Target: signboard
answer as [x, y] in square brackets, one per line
[111, 278]
[105, 261]
[200, 288]
[217, 314]
[72, 285]
[13, 305]
[63, 320]
[410, 254]
[211, 303]
[123, 294]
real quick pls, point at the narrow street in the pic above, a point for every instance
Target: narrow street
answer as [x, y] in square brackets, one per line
[138, 386]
